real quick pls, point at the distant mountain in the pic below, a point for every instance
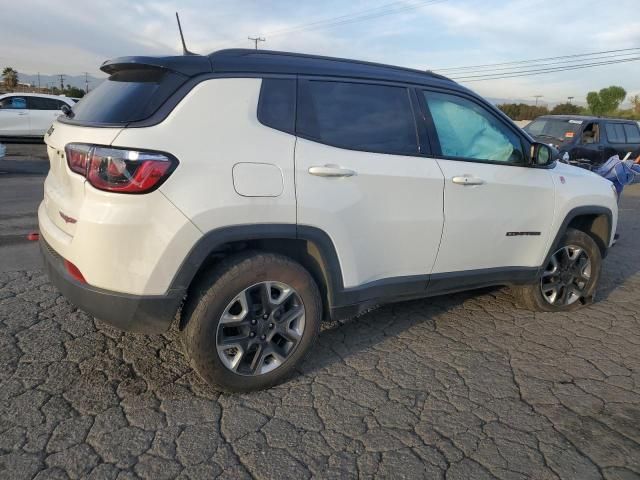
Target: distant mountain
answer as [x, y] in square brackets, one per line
[54, 80]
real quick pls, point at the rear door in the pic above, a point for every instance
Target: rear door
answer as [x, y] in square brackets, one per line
[362, 178]
[616, 139]
[498, 210]
[43, 111]
[632, 134]
[14, 117]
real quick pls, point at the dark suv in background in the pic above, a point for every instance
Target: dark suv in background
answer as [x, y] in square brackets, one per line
[592, 138]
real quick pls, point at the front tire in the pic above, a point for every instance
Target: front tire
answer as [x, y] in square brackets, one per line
[569, 279]
[251, 320]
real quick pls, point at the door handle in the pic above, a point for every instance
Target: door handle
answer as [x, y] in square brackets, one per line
[22, 113]
[467, 180]
[331, 171]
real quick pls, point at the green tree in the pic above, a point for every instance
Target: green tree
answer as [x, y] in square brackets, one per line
[10, 78]
[635, 101]
[74, 92]
[523, 111]
[566, 109]
[606, 101]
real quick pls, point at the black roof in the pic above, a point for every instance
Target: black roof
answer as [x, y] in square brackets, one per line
[268, 61]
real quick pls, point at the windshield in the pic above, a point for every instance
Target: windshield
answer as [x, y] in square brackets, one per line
[127, 96]
[558, 129]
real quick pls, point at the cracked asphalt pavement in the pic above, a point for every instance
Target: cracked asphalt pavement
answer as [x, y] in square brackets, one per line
[458, 387]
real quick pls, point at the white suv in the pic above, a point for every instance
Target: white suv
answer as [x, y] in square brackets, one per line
[252, 194]
[29, 114]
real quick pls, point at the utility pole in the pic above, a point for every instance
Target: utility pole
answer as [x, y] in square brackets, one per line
[86, 82]
[255, 41]
[61, 81]
[537, 97]
[38, 80]
[570, 98]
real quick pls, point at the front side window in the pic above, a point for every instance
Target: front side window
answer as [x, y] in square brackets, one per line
[13, 103]
[357, 116]
[633, 133]
[591, 134]
[468, 131]
[615, 132]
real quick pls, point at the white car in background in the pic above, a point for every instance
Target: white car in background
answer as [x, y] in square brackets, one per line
[29, 114]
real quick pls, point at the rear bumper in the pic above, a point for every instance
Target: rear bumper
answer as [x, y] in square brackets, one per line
[134, 313]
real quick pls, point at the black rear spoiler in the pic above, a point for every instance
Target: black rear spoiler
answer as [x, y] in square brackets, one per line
[188, 65]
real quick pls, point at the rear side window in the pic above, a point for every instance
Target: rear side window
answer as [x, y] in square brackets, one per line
[42, 103]
[615, 132]
[357, 116]
[277, 105]
[127, 96]
[633, 133]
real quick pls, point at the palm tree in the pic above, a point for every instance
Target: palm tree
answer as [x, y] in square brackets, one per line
[10, 77]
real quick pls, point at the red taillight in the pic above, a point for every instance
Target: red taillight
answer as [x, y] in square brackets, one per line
[78, 157]
[74, 271]
[120, 170]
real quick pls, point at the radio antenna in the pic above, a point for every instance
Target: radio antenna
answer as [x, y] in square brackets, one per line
[184, 45]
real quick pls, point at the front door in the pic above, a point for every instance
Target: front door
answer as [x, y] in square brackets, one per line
[14, 117]
[591, 144]
[498, 210]
[361, 178]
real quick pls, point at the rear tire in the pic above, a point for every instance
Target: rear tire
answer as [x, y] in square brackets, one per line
[569, 279]
[250, 320]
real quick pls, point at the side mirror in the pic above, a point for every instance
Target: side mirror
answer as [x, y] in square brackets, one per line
[66, 110]
[543, 155]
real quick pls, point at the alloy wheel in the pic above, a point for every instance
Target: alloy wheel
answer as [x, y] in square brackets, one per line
[566, 276]
[260, 328]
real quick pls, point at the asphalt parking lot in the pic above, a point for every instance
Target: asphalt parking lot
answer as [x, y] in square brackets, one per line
[458, 387]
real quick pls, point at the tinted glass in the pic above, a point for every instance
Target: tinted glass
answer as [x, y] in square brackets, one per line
[615, 132]
[127, 96]
[277, 106]
[42, 103]
[372, 118]
[13, 103]
[468, 131]
[632, 132]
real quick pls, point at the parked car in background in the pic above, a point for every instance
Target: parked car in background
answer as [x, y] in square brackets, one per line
[29, 114]
[592, 138]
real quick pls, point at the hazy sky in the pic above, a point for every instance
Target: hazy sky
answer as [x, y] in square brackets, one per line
[56, 36]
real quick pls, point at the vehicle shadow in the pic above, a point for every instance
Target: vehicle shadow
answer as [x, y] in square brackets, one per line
[339, 340]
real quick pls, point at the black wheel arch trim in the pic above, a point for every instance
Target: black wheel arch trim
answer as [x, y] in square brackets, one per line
[579, 212]
[339, 297]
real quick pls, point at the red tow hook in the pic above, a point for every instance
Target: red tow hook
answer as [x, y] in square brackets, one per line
[33, 236]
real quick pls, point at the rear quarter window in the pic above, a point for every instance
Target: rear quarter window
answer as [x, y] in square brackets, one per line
[277, 104]
[632, 132]
[127, 96]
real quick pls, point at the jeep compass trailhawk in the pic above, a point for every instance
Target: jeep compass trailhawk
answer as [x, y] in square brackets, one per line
[251, 194]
